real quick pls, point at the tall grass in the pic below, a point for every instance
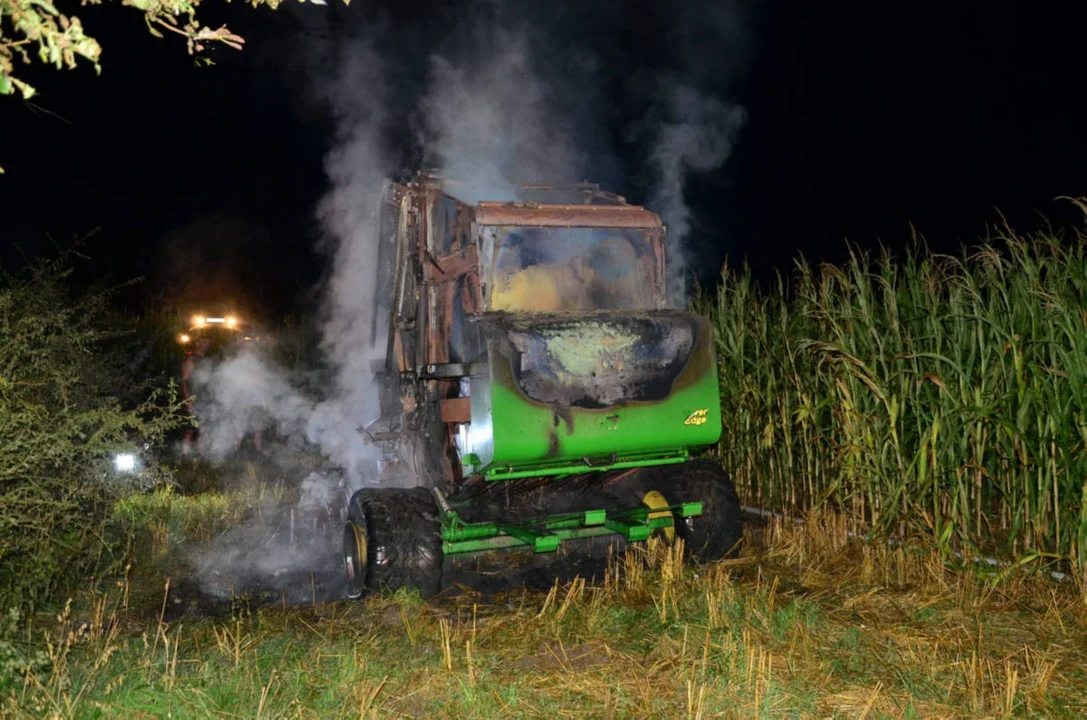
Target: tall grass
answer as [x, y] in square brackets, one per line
[926, 393]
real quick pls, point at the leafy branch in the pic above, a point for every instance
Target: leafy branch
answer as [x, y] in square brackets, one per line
[38, 27]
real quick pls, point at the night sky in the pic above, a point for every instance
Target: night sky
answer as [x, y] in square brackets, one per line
[861, 118]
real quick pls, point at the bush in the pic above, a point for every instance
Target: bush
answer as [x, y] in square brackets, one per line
[62, 416]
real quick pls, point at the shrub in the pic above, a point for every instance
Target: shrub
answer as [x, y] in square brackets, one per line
[62, 417]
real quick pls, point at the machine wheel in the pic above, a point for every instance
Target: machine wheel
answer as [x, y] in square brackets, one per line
[392, 539]
[718, 531]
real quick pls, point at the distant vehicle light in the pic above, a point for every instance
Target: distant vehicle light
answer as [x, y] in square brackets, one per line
[124, 462]
[215, 321]
[231, 321]
[198, 321]
[184, 339]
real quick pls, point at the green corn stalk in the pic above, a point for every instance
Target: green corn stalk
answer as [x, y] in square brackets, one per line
[921, 393]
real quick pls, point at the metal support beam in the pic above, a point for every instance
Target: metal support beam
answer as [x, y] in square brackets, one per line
[495, 474]
[546, 534]
[539, 541]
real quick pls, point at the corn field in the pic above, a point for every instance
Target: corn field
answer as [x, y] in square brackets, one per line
[923, 394]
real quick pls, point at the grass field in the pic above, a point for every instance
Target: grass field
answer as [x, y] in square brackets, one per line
[808, 623]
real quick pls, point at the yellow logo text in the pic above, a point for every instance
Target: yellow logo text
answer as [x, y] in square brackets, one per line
[698, 417]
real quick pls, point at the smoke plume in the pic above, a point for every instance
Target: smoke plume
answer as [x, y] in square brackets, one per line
[695, 134]
[356, 169]
[248, 392]
[491, 123]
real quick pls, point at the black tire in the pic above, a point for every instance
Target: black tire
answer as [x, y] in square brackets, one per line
[402, 534]
[718, 532]
[715, 534]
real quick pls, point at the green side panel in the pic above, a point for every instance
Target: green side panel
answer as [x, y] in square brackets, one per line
[517, 434]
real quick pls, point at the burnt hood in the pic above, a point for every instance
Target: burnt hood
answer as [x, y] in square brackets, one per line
[594, 360]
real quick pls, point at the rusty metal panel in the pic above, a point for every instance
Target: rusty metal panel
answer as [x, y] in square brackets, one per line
[590, 193]
[452, 266]
[603, 216]
[394, 193]
[456, 410]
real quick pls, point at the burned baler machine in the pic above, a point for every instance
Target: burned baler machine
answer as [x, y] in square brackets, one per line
[537, 388]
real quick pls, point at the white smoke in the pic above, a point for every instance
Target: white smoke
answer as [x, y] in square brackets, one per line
[356, 170]
[503, 113]
[695, 134]
[242, 395]
[492, 123]
[247, 393]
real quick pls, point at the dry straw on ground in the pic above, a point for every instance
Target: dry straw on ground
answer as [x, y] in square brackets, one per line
[810, 623]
